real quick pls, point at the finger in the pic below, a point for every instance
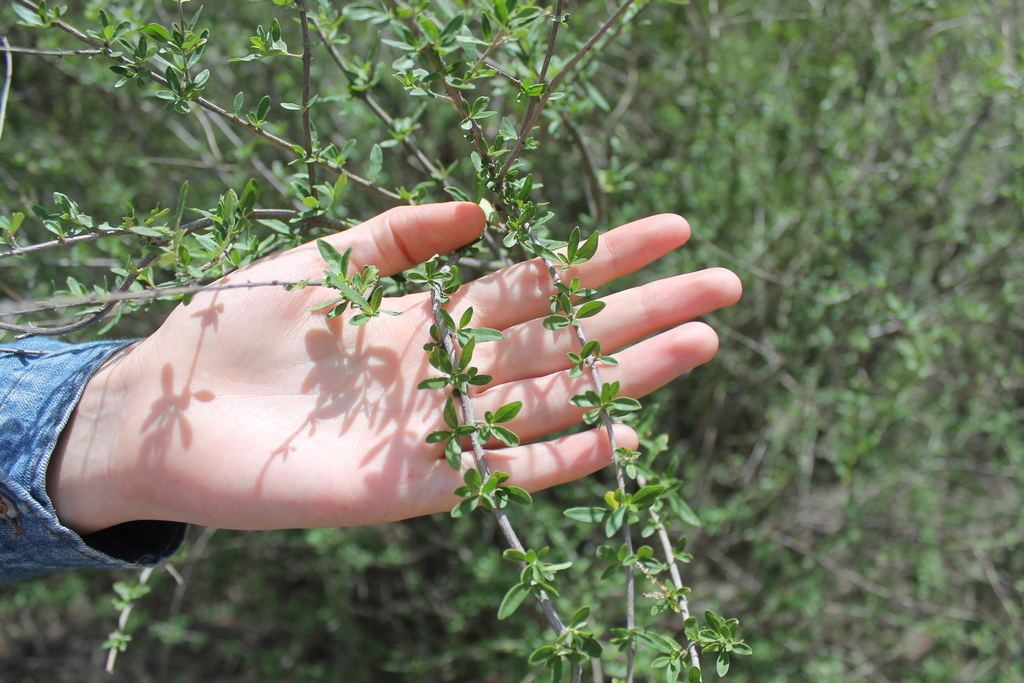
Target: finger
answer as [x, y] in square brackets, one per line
[642, 368]
[535, 466]
[530, 350]
[403, 237]
[521, 292]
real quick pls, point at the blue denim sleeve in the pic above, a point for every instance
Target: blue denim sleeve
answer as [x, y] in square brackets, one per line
[41, 381]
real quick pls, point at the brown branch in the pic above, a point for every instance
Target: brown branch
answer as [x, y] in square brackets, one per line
[531, 120]
[307, 128]
[375, 107]
[50, 53]
[592, 188]
[620, 474]
[199, 224]
[35, 330]
[465, 403]
[153, 294]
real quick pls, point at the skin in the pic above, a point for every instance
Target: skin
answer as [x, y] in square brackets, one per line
[246, 411]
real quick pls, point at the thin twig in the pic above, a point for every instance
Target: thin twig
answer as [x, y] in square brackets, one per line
[375, 107]
[50, 53]
[307, 128]
[199, 224]
[151, 294]
[620, 474]
[592, 188]
[673, 568]
[465, 406]
[122, 621]
[535, 102]
[34, 330]
[531, 120]
[8, 77]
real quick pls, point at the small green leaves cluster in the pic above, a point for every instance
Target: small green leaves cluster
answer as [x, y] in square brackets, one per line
[566, 315]
[620, 508]
[574, 645]
[127, 593]
[455, 375]
[43, 17]
[621, 557]
[361, 290]
[451, 437]
[607, 401]
[9, 226]
[490, 495]
[433, 275]
[181, 49]
[576, 253]
[591, 352]
[266, 44]
[463, 373]
[109, 31]
[718, 636]
[535, 576]
[674, 657]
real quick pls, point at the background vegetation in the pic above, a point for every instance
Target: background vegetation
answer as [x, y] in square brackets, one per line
[855, 451]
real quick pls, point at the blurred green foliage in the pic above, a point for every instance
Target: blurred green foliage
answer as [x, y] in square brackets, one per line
[855, 450]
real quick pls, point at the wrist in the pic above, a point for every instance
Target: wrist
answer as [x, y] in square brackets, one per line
[85, 485]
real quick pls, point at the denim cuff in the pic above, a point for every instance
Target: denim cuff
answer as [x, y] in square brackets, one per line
[41, 381]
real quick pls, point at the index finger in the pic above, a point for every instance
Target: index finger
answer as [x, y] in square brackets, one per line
[520, 292]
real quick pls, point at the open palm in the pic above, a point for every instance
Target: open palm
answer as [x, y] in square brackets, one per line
[247, 411]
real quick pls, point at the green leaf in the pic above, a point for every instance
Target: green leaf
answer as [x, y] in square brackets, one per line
[722, 663]
[453, 454]
[263, 108]
[518, 495]
[376, 163]
[451, 417]
[579, 620]
[648, 492]
[506, 436]
[508, 412]
[148, 232]
[586, 514]
[591, 308]
[684, 511]
[614, 521]
[591, 647]
[433, 383]
[337, 261]
[513, 598]
[694, 675]
[472, 479]
[438, 436]
[465, 506]
[484, 334]
[556, 322]
[457, 194]
[156, 32]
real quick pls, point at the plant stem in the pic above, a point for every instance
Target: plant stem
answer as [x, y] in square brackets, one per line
[465, 405]
[307, 129]
[620, 474]
[531, 119]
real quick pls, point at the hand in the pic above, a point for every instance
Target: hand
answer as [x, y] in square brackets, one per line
[246, 411]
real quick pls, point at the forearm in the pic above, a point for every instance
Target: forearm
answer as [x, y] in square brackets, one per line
[41, 382]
